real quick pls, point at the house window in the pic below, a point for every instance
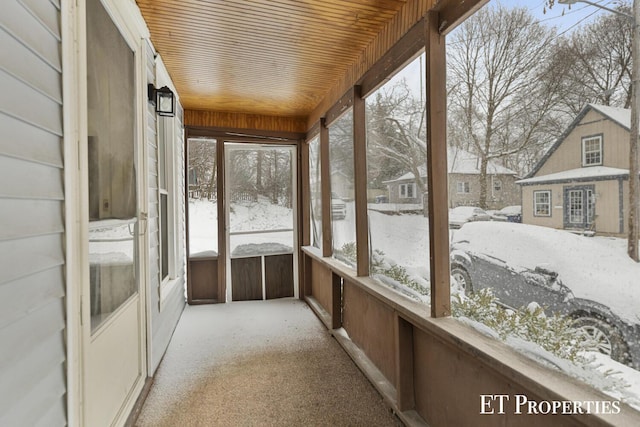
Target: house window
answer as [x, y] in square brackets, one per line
[542, 203]
[463, 187]
[497, 185]
[166, 197]
[408, 191]
[592, 151]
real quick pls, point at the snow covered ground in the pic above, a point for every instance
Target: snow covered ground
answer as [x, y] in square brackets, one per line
[404, 240]
[244, 217]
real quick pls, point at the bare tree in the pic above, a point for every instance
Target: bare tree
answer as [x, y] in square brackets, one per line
[594, 63]
[202, 168]
[499, 87]
[396, 124]
[612, 44]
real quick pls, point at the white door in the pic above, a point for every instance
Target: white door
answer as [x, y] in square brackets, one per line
[112, 314]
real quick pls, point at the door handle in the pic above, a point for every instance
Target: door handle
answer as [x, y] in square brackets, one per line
[143, 217]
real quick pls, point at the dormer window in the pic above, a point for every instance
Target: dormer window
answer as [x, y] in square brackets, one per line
[592, 150]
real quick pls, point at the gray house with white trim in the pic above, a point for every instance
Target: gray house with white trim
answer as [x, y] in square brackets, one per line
[582, 182]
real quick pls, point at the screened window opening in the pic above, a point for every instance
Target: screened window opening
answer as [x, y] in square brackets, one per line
[557, 259]
[203, 197]
[315, 188]
[396, 182]
[343, 221]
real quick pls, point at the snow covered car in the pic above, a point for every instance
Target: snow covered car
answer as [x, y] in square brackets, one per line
[338, 207]
[510, 214]
[591, 280]
[463, 214]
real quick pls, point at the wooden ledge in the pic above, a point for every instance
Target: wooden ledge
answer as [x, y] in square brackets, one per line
[496, 356]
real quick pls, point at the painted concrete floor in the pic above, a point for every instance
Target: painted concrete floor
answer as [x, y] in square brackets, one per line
[259, 363]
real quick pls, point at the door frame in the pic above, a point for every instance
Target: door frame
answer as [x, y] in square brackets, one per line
[586, 191]
[228, 146]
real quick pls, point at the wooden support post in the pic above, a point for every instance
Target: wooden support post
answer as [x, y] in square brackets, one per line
[304, 193]
[360, 182]
[436, 69]
[307, 277]
[336, 301]
[222, 221]
[325, 181]
[304, 201]
[404, 364]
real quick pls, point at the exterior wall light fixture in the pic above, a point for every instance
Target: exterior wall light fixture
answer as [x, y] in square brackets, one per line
[162, 99]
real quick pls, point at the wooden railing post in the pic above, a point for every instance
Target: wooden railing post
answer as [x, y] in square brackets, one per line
[436, 70]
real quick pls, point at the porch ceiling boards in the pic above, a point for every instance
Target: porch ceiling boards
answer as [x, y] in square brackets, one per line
[264, 57]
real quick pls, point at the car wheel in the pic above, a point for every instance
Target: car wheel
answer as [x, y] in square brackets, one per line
[461, 276]
[607, 338]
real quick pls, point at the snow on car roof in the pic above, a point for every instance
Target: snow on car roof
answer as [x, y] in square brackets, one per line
[463, 211]
[515, 209]
[594, 268]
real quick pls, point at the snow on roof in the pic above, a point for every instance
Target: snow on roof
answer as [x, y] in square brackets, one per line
[464, 162]
[574, 174]
[620, 115]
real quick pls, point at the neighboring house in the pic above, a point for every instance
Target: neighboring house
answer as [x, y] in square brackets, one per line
[582, 182]
[464, 183]
[342, 185]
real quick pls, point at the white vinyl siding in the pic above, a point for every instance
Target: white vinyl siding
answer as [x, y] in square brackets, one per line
[166, 302]
[32, 286]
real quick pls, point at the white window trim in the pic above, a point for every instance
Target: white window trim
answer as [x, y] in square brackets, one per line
[535, 203]
[584, 152]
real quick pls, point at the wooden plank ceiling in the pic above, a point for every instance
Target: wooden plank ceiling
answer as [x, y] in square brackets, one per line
[268, 57]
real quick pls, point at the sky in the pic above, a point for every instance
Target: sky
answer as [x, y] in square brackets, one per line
[565, 18]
